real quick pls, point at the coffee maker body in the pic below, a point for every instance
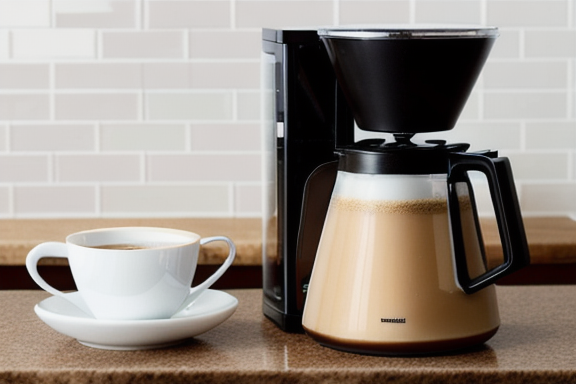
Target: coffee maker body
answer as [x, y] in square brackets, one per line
[304, 118]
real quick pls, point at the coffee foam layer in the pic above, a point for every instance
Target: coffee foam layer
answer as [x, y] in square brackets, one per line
[418, 206]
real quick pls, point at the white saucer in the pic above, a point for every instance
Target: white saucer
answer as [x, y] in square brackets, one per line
[209, 310]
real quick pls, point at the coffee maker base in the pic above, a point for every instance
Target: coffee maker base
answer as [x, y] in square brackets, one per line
[419, 348]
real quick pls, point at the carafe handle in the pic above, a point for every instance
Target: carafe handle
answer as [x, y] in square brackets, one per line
[507, 211]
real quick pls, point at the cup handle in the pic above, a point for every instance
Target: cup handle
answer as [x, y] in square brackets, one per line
[49, 249]
[196, 291]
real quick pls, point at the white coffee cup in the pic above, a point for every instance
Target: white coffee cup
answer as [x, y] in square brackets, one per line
[131, 284]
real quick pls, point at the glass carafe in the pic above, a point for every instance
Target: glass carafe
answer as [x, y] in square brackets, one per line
[400, 266]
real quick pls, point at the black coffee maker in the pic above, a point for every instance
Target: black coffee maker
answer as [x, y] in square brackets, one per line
[316, 95]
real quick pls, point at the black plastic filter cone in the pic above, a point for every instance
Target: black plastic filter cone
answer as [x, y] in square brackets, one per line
[408, 80]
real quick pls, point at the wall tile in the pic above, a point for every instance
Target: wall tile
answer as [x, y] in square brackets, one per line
[203, 167]
[4, 44]
[24, 168]
[188, 14]
[248, 105]
[53, 43]
[97, 75]
[531, 13]
[5, 203]
[248, 199]
[79, 106]
[98, 168]
[225, 44]
[448, 11]
[24, 76]
[156, 83]
[143, 44]
[95, 14]
[166, 200]
[19, 106]
[551, 135]
[225, 137]
[507, 45]
[525, 74]
[3, 138]
[225, 75]
[143, 137]
[277, 14]
[25, 13]
[551, 198]
[354, 12]
[185, 106]
[54, 201]
[525, 105]
[542, 166]
[550, 43]
[166, 75]
[57, 137]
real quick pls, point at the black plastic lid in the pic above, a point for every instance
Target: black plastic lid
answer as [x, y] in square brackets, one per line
[402, 157]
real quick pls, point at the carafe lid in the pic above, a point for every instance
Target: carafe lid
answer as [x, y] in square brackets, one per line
[376, 156]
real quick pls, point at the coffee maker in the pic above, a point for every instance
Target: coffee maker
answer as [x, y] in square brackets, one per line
[317, 97]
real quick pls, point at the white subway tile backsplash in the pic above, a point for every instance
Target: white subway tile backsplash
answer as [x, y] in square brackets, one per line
[4, 44]
[225, 75]
[248, 199]
[24, 76]
[54, 201]
[225, 137]
[24, 106]
[550, 43]
[374, 12]
[3, 138]
[159, 44]
[448, 11]
[525, 74]
[143, 137]
[277, 14]
[97, 75]
[95, 14]
[97, 106]
[48, 138]
[189, 106]
[165, 75]
[24, 168]
[188, 14]
[539, 166]
[529, 13]
[237, 44]
[166, 200]
[525, 105]
[550, 198]
[248, 105]
[5, 205]
[203, 167]
[160, 100]
[507, 45]
[551, 135]
[98, 168]
[24, 13]
[43, 44]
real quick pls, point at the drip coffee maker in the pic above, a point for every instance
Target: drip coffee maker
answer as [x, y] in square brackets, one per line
[378, 241]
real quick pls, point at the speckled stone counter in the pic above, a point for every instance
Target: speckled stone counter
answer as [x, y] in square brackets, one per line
[535, 344]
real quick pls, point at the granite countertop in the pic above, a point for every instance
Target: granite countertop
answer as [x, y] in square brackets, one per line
[552, 240]
[534, 344]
